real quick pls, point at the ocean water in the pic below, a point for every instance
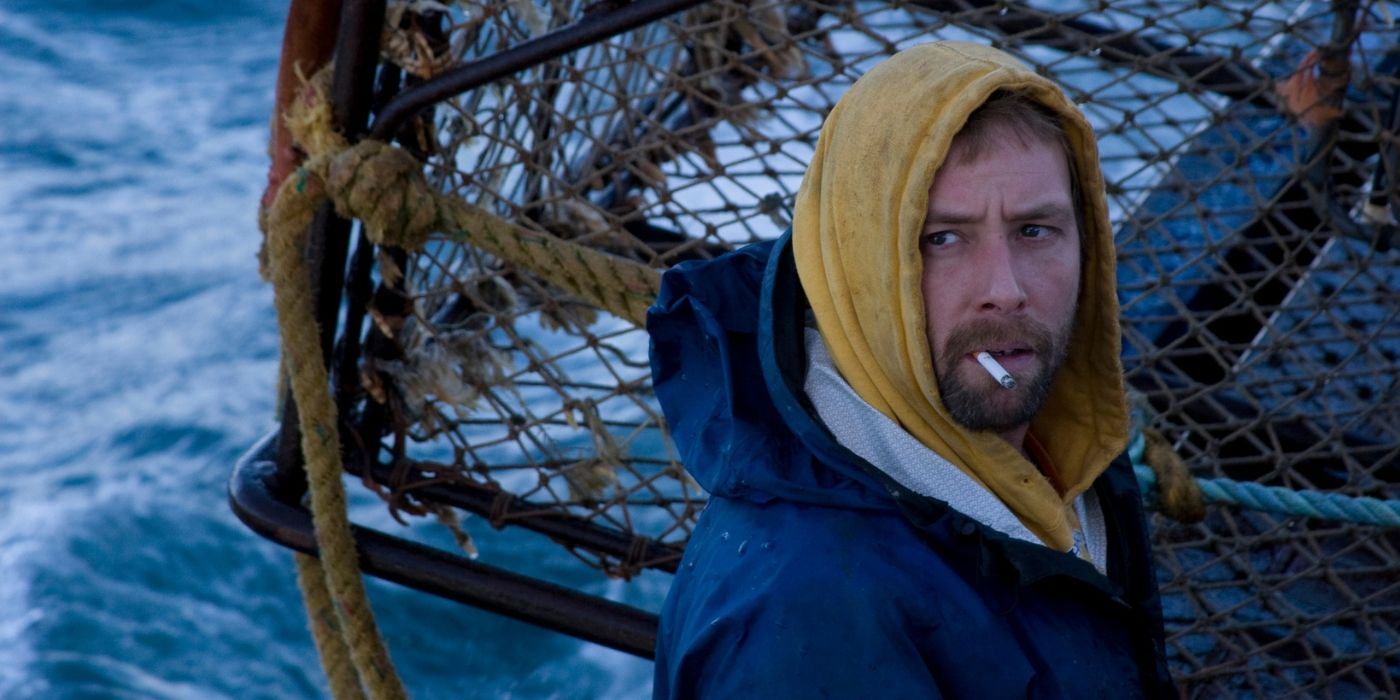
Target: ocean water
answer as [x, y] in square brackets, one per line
[137, 362]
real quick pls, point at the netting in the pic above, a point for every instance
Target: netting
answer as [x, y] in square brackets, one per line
[1250, 153]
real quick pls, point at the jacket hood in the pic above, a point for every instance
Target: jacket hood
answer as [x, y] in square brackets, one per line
[738, 424]
[856, 225]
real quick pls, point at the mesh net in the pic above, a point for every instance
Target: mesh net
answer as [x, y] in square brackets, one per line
[1249, 149]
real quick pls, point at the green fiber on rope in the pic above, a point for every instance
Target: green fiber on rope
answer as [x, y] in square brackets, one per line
[1275, 499]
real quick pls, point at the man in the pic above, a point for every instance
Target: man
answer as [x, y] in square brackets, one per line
[907, 413]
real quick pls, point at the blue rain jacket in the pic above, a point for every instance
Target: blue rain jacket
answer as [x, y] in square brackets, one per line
[813, 575]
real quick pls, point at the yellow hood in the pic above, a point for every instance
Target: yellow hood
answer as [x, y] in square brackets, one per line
[855, 240]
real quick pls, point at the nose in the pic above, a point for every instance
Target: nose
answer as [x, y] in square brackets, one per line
[1002, 290]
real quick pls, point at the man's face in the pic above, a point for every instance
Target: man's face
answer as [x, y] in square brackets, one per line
[1000, 249]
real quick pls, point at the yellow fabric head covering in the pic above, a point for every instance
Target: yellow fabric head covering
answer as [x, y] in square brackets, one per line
[856, 226]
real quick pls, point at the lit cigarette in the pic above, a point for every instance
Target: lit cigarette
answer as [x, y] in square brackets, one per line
[995, 369]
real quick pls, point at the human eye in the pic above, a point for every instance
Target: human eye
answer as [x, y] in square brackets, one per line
[1036, 231]
[937, 239]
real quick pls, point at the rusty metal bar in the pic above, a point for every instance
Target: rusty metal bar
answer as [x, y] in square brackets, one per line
[308, 42]
[256, 498]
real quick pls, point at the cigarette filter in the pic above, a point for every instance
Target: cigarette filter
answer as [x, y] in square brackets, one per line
[995, 369]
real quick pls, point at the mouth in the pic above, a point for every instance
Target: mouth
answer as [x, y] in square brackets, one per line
[1005, 352]
[1012, 351]
[1016, 359]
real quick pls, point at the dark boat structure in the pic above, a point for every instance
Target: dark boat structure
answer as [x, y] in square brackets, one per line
[1251, 151]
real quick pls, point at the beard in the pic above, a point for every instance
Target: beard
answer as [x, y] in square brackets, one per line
[978, 402]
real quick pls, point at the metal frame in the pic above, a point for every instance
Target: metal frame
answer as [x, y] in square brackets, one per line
[267, 485]
[263, 504]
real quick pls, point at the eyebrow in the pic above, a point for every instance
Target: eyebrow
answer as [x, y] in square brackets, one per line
[1047, 211]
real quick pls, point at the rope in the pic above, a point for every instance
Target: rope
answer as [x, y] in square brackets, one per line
[1178, 495]
[1361, 510]
[288, 222]
[384, 187]
[326, 630]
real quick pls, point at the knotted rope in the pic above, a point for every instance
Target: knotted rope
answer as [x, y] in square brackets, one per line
[1177, 494]
[384, 187]
[1362, 510]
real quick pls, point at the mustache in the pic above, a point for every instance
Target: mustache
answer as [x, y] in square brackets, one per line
[981, 334]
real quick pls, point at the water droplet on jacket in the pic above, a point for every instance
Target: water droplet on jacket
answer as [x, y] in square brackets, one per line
[690, 565]
[724, 535]
[742, 546]
[767, 545]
